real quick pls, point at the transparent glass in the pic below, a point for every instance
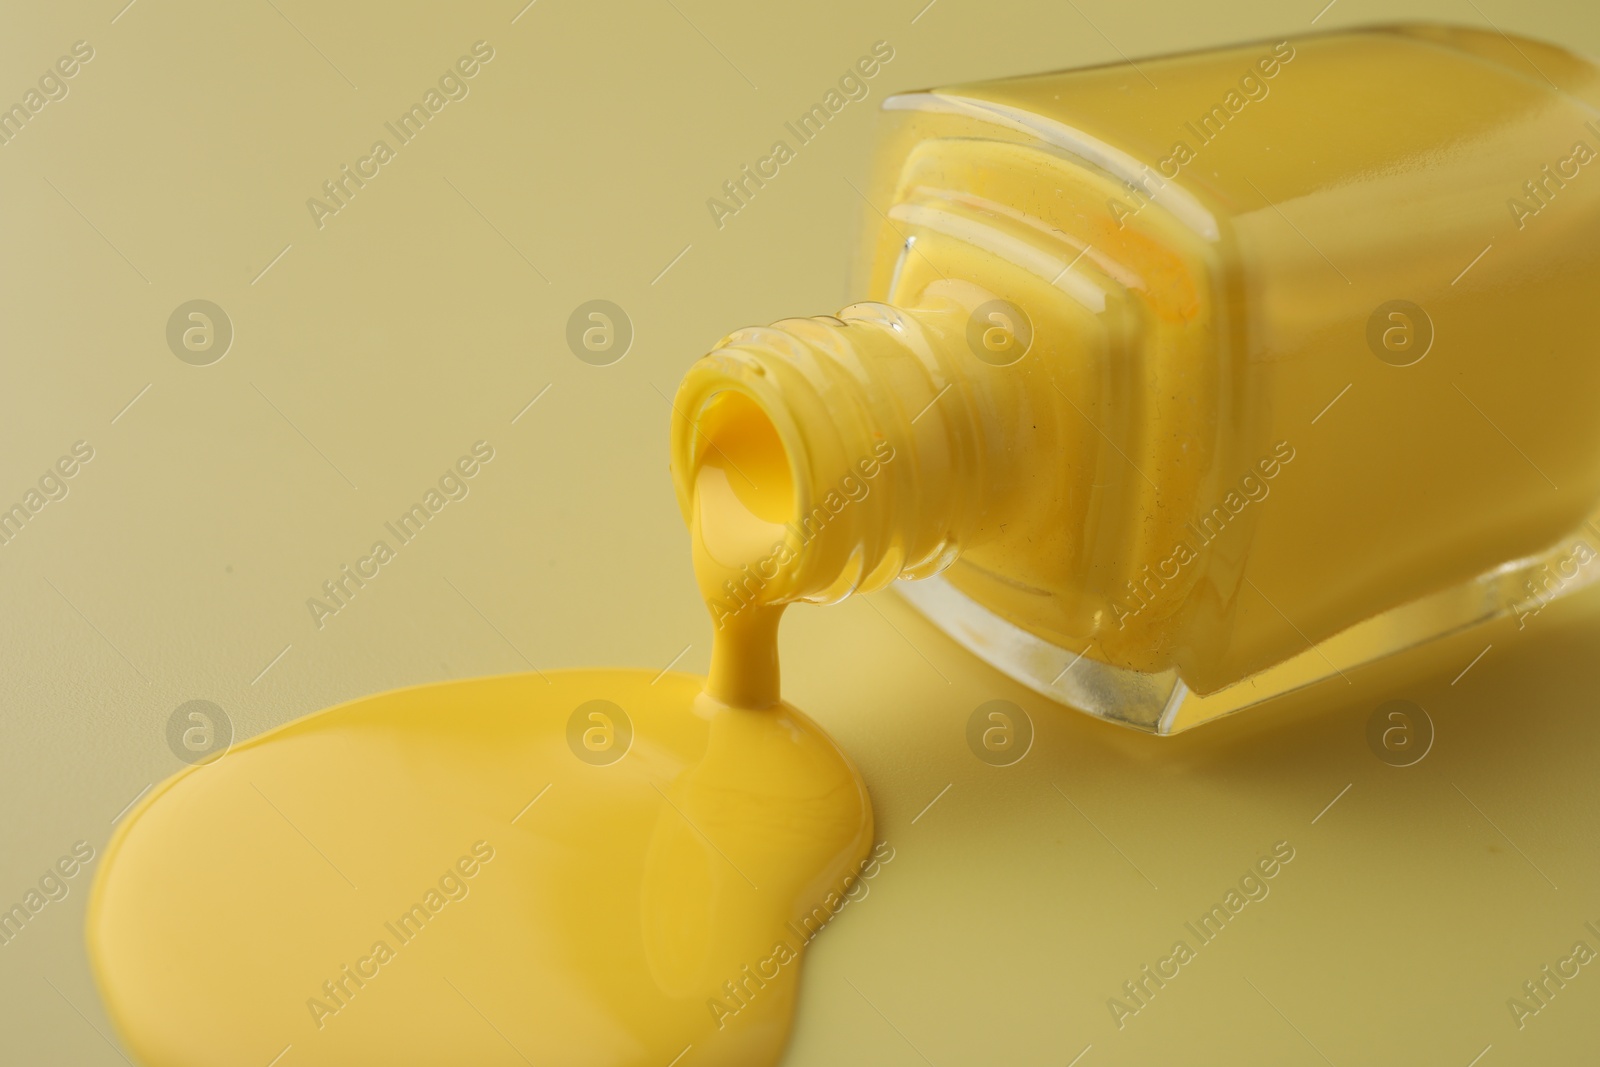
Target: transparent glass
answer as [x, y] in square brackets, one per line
[1187, 383]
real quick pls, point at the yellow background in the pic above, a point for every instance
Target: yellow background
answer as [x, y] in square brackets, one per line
[377, 349]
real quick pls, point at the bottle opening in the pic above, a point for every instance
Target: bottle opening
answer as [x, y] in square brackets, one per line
[744, 493]
[740, 440]
[810, 430]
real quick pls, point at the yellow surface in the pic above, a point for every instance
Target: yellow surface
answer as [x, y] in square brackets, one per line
[407, 328]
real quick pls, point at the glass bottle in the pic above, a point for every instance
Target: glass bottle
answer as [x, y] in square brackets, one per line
[1188, 382]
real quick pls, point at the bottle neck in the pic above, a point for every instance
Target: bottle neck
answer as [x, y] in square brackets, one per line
[890, 427]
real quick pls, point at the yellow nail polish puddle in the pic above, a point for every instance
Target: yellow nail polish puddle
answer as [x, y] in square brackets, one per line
[372, 885]
[600, 867]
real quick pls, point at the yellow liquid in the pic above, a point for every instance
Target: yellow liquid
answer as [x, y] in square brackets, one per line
[737, 521]
[435, 876]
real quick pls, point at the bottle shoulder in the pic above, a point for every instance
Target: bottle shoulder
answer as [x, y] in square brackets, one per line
[1213, 136]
